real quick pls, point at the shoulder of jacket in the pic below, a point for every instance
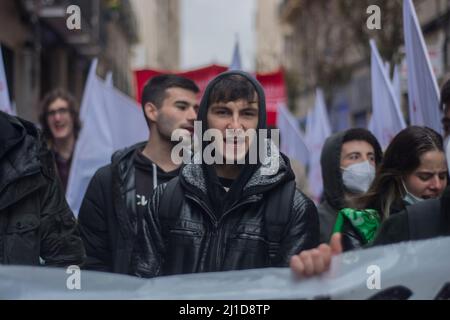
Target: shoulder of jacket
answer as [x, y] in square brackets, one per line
[301, 201]
[125, 153]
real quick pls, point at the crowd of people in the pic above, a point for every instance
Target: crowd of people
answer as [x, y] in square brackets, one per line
[145, 215]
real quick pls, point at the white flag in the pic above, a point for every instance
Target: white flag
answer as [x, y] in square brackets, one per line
[126, 119]
[318, 129]
[387, 119]
[110, 121]
[397, 85]
[109, 79]
[423, 90]
[292, 139]
[236, 60]
[5, 103]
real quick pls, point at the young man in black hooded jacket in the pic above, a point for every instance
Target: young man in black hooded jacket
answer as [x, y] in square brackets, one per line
[117, 196]
[232, 216]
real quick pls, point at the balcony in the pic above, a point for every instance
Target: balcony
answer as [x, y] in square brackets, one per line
[53, 13]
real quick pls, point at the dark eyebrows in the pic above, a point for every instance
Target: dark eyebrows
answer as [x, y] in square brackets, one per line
[185, 103]
[353, 153]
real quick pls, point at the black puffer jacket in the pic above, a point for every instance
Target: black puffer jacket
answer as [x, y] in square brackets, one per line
[197, 242]
[36, 224]
[108, 214]
[218, 230]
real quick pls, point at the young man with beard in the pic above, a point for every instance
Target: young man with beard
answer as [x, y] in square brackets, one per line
[117, 197]
[228, 215]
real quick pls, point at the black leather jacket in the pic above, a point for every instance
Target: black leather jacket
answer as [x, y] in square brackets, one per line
[196, 241]
[108, 214]
[36, 224]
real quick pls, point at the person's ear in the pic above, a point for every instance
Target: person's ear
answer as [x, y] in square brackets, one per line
[151, 111]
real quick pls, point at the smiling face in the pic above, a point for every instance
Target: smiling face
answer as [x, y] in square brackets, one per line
[234, 119]
[59, 119]
[430, 178]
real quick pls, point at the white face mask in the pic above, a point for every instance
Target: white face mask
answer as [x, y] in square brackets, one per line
[409, 198]
[358, 177]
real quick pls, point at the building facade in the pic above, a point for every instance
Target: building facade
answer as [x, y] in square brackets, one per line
[326, 44]
[269, 36]
[41, 52]
[158, 46]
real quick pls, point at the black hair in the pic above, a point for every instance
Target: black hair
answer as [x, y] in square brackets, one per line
[232, 88]
[155, 89]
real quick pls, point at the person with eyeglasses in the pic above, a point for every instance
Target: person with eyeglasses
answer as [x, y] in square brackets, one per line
[60, 125]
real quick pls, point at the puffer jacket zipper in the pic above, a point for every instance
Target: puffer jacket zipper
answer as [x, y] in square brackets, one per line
[216, 244]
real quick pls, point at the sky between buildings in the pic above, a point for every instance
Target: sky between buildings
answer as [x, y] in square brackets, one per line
[209, 28]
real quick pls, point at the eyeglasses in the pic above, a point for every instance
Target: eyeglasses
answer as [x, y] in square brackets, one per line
[60, 111]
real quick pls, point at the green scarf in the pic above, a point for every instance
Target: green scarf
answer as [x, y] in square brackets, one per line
[366, 222]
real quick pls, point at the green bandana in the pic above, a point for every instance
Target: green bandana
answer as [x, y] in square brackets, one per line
[365, 222]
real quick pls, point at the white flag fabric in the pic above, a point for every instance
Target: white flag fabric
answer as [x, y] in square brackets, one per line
[110, 121]
[415, 270]
[397, 85]
[387, 119]
[236, 60]
[109, 79]
[5, 103]
[318, 129]
[292, 140]
[423, 90]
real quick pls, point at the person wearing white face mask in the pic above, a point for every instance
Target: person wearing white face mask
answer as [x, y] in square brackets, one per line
[348, 161]
[413, 169]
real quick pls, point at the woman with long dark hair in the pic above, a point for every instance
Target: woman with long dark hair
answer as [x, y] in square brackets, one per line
[413, 169]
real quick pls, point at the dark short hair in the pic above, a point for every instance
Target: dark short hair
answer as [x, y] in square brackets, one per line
[155, 89]
[360, 134]
[51, 97]
[232, 88]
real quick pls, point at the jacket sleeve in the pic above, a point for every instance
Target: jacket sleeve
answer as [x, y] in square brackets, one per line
[393, 230]
[150, 255]
[302, 232]
[94, 224]
[61, 244]
[350, 238]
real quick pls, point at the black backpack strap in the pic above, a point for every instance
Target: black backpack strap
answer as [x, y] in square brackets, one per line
[424, 219]
[278, 212]
[171, 200]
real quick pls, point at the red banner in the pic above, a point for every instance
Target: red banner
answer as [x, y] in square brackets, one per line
[273, 83]
[275, 90]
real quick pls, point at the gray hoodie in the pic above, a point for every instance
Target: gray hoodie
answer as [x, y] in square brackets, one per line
[333, 186]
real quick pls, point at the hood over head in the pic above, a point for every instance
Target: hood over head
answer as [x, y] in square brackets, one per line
[218, 198]
[330, 160]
